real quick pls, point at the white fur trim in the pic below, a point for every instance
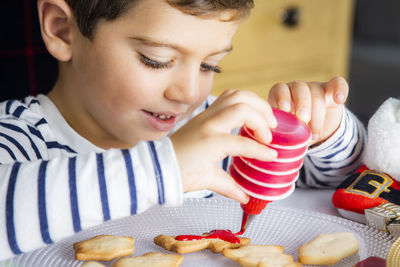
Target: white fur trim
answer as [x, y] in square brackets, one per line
[383, 147]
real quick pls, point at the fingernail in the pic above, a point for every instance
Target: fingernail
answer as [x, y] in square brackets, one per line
[268, 136]
[303, 115]
[315, 136]
[273, 153]
[340, 98]
[285, 106]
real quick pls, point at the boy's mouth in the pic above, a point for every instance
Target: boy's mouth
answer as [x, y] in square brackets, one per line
[161, 116]
[164, 122]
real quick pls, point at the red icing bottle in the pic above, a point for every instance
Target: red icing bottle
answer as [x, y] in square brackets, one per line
[272, 180]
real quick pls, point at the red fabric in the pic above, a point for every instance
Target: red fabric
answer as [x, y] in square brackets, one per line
[352, 202]
[366, 189]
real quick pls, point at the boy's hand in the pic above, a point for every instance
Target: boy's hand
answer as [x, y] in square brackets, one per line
[206, 140]
[318, 104]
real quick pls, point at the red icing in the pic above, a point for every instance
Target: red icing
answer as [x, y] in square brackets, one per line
[244, 223]
[225, 235]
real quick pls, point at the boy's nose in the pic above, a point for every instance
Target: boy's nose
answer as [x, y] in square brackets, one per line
[185, 87]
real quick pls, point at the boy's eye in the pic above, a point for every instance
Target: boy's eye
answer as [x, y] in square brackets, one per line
[152, 63]
[206, 67]
[161, 65]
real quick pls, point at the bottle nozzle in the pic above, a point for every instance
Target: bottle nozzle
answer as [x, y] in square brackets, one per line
[254, 206]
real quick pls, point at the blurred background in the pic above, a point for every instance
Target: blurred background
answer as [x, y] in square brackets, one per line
[374, 73]
[282, 40]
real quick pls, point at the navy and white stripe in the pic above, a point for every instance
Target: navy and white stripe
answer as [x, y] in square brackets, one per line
[74, 194]
[65, 191]
[330, 163]
[11, 232]
[158, 173]
[44, 227]
[131, 180]
[103, 186]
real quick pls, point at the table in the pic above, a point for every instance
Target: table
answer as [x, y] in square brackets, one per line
[318, 200]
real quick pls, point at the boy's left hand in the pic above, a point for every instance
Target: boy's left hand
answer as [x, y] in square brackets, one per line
[319, 104]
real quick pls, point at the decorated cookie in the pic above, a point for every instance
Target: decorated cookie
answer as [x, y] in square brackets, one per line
[190, 243]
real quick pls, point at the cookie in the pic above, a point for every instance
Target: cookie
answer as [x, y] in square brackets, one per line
[152, 259]
[260, 256]
[104, 248]
[292, 264]
[215, 245]
[251, 250]
[92, 264]
[328, 249]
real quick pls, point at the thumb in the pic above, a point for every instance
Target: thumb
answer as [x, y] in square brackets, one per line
[225, 185]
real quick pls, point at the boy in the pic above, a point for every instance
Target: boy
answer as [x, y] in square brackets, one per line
[119, 134]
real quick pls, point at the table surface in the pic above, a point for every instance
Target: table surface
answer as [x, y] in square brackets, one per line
[310, 199]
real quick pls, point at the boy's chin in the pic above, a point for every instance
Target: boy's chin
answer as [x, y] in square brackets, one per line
[154, 136]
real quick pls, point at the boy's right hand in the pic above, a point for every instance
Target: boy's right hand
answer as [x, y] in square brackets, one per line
[206, 140]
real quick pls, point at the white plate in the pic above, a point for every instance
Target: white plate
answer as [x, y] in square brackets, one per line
[275, 225]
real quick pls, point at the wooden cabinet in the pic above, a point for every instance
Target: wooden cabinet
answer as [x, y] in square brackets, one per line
[285, 40]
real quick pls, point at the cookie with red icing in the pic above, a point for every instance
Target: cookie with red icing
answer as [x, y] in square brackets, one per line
[216, 241]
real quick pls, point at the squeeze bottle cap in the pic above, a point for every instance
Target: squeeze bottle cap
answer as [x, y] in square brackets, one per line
[254, 206]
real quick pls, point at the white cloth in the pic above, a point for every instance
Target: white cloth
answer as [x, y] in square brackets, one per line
[383, 147]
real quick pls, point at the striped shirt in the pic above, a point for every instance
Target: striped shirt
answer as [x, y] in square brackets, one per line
[62, 184]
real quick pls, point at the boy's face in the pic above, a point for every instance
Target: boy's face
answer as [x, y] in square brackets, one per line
[144, 72]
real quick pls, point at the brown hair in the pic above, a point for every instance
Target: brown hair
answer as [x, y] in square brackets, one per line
[89, 12]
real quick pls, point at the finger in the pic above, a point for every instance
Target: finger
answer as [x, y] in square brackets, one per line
[238, 115]
[280, 97]
[225, 185]
[301, 97]
[257, 103]
[337, 89]
[232, 97]
[318, 111]
[272, 122]
[235, 145]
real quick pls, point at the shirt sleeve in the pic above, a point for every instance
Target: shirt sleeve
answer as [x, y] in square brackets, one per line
[45, 201]
[328, 164]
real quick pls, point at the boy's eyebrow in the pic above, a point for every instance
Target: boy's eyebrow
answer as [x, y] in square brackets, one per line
[157, 44]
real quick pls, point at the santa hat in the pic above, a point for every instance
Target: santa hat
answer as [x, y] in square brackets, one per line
[381, 165]
[382, 152]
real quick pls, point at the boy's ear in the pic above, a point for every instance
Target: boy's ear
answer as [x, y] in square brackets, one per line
[56, 22]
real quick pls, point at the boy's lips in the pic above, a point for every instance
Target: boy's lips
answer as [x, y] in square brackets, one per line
[164, 121]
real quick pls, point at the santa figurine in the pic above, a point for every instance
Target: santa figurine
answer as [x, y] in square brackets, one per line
[378, 181]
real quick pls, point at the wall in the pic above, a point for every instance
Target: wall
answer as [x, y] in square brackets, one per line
[374, 73]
